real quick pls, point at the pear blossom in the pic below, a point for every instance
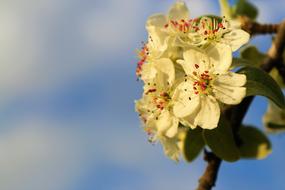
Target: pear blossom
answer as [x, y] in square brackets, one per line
[185, 68]
[207, 83]
[173, 28]
[219, 30]
[155, 107]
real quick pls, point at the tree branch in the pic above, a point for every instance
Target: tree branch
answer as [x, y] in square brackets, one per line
[237, 113]
[254, 28]
[207, 181]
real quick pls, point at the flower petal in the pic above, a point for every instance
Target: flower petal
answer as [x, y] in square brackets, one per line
[237, 38]
[220, 56]
[158, 20]
[178, 11]
[166, 66]
[185, 100]
[165, 122]
[231, 79]
[227, 88]
[157, 35]
[209, 115]
[229, 95]
[148, 72]
[194, 60]
[170, 147]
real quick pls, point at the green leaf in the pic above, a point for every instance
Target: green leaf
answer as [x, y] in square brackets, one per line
[221, 141]
[239, 62]
[245, 8]
[253, 55]
[254, 143]
[274, 119]
[193, 143]
[260, 83]
[276, 76]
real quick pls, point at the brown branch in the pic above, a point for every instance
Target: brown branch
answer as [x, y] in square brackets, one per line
[207, 181]
[237, 113]
[254, 28]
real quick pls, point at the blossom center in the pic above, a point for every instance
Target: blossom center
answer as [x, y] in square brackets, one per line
[184, 26]
[202, 85]
[213, 29]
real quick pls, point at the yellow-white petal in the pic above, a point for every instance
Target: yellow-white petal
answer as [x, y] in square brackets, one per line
[185, 101]
[229, 94]
[237, 38]
[172, 131]
[209, 114]
[148, 72]
[170, 147]
[166, 66]
[158, 20]
[220, 56]
[194, 58]
[230, 79]
[165, 122]
[178, 11]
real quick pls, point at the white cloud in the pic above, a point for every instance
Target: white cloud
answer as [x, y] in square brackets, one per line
[37, 155]
[113, 27]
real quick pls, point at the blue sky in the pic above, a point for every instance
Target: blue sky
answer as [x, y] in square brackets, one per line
[68, 86]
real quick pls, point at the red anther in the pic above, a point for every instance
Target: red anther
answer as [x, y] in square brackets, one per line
[150, 91]
[196, 92]
[196, 66]
[166, 25]
[182, 20]
[206, 71]
[205, 33]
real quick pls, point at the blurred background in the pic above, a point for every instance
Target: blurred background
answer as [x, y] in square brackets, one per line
[67, 91]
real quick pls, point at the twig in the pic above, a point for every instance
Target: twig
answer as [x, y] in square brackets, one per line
[254, 28]
[207, 181]
[237, 113]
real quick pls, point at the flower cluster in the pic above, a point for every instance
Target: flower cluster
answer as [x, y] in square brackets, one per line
[185, 67]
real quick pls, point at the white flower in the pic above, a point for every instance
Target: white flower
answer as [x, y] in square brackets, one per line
[219, 30]
[171, 29]
[155, 107]
[207, 82]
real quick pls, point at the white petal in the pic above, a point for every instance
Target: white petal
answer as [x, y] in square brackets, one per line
[170, 147]
[158, 20]
[164, 121]
[172, 131]
[231, 79]
[148, 72]
[227, 88]
[230, 95]
[185, 100]
[190, 119]
[178, 11]
[220, 56]
[166, 66]
[209, 115]
[237, 38]
[195, 60]
[167, 124]
[157, 35]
